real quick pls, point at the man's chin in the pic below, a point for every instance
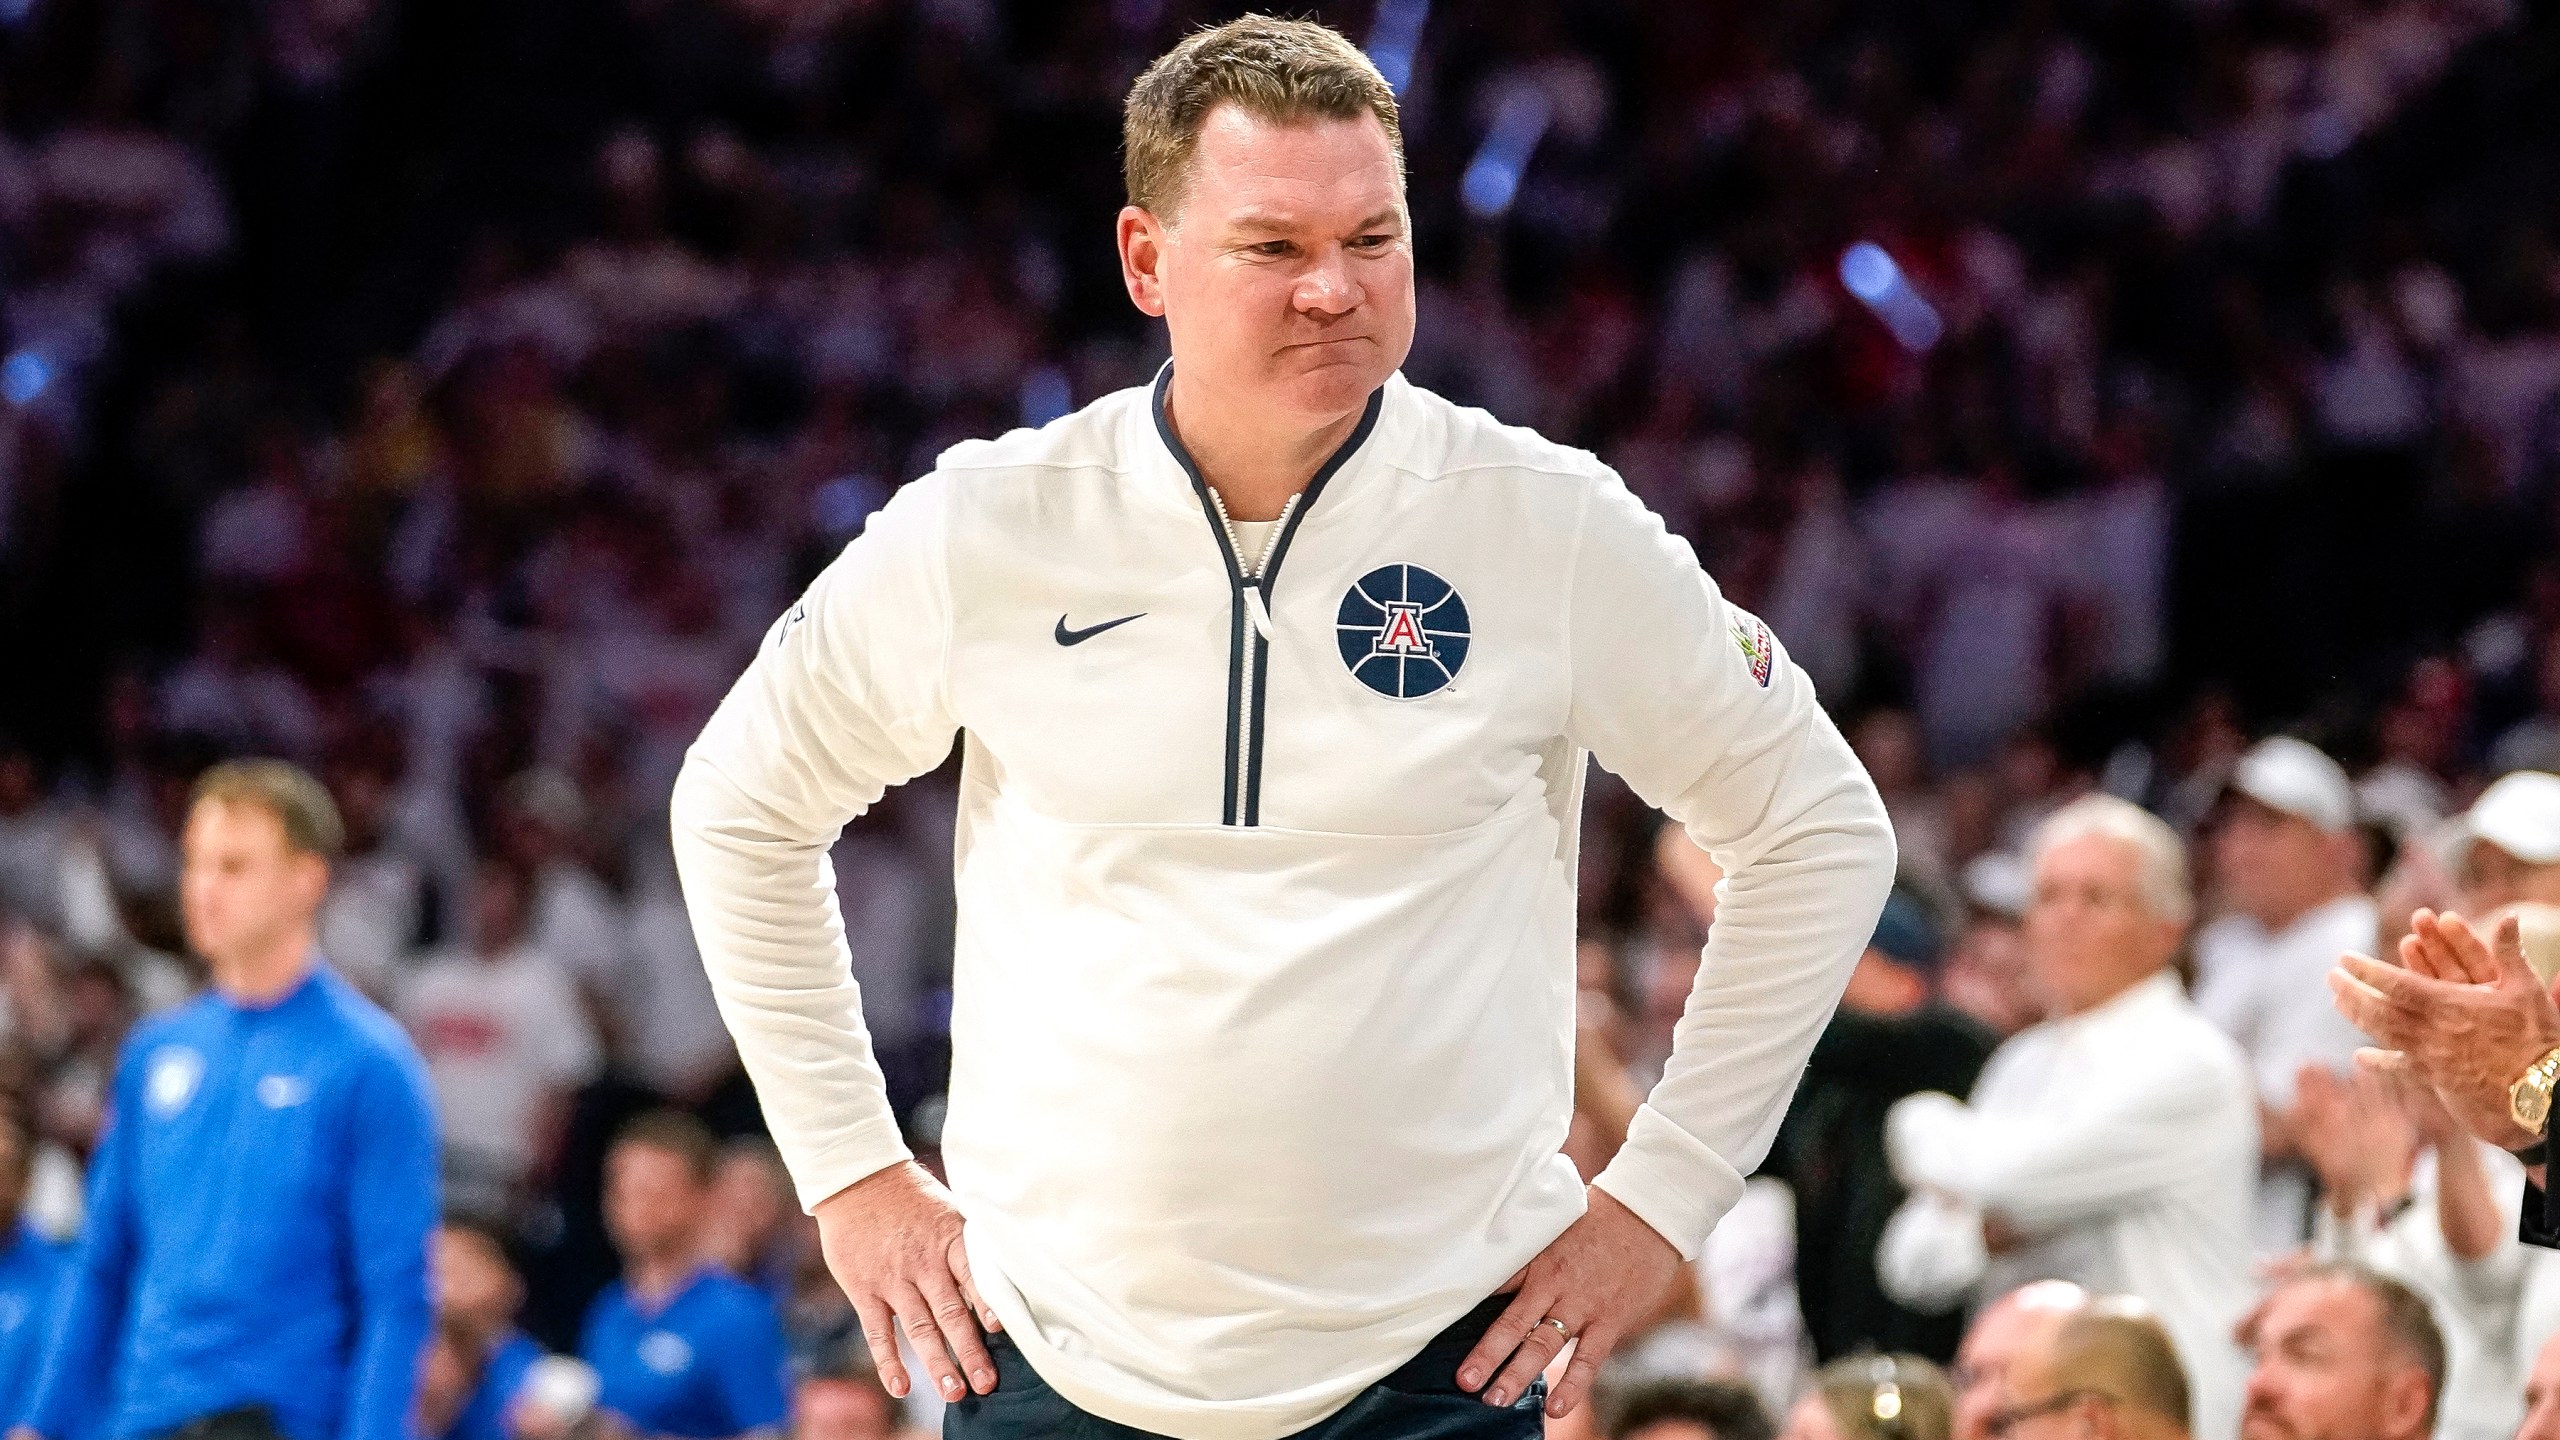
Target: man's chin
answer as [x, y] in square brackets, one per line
[2261, 1425]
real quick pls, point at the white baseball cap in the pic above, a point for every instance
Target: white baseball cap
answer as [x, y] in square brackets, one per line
[2520, 815]
[2294, 777]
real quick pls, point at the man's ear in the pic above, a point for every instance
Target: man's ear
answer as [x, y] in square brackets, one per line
[2405, 1397]
[1142, 246]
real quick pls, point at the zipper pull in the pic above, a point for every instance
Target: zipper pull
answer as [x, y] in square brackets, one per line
[1260, 609]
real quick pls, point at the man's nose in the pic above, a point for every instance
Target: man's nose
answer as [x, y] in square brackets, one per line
[1327, 287]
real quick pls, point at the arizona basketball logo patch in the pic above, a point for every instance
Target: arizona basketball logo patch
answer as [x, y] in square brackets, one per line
[1756, 648]
[1403, 631]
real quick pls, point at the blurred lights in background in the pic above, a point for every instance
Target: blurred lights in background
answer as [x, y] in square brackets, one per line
[1870, 274]
[1492, 180]
[25, 376]
[1394, 39]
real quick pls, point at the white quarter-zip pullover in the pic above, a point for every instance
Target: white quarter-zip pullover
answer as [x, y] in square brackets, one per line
[1262, 1023]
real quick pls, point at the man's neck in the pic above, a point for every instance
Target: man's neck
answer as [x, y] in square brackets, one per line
[266, 976]
[2110, 997]
[654, 1279]
[1254, 464]
[2278, 919]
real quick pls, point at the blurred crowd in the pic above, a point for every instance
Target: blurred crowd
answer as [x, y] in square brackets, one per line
[448, 397]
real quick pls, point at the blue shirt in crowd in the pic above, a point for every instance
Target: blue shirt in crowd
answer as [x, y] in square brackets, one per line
[32, 1272]
[709, 1362]
[259, 1215]
[484, 1415]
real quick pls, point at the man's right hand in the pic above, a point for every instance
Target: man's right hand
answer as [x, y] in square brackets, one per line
[892, 1240]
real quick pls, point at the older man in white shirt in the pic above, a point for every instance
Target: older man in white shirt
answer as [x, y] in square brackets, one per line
[2115, 1145]
[2291, 868]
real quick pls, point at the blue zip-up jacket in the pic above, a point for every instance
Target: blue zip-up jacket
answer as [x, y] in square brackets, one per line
[259, 1215]
[32, 1272]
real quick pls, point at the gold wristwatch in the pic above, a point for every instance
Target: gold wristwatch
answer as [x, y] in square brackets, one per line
[2529, 1099]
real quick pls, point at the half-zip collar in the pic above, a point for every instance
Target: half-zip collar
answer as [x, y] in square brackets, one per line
[1248, 622]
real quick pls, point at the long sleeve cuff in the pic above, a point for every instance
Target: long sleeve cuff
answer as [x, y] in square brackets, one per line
[856, 1155]
[1672, 1180]
[1932, 1254]
[1921, 1140]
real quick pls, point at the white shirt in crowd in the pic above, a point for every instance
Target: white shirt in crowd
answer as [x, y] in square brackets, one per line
[1262, 1022]
[2478, 1304]
[2122, 1143]
[2270, 993]
[498, 1035]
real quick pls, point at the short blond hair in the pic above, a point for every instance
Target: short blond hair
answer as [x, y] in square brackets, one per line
[1283, 71]
[299, 803]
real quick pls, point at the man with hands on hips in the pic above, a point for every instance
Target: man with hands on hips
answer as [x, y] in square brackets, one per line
[1277, 680]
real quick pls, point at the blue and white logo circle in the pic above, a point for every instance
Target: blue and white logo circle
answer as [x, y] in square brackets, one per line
[170, 1082]
[1403, 631]
[665, 1353]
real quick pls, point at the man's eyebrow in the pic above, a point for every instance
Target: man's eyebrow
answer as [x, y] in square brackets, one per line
[1275, 223]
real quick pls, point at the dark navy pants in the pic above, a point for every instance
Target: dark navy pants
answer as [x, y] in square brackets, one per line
[1420, 1401]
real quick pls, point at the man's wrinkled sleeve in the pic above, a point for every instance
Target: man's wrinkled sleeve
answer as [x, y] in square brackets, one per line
[1692, 701]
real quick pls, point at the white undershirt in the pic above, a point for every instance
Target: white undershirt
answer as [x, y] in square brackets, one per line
[1253, 537]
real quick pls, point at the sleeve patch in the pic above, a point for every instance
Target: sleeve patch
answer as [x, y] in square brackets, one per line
[1756, 648]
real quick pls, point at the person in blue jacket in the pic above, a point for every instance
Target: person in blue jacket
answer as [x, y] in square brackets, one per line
[479, 1293]
[255, 1258]
[683, 1347]
[32, 1272]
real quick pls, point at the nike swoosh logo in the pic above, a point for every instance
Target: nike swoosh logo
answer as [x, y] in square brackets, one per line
[1078, 637]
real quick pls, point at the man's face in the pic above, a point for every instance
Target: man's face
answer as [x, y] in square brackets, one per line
[17, 1161]
[2326, 1371]
[1285, 272]
[2088, 932]
[2000, 1334]
[243, 888]
[2491, 878]
[840, 1410]
[1671, 1430]
[2542, 1395]
[653, 1202]
[2270, 863]
[474, 1283]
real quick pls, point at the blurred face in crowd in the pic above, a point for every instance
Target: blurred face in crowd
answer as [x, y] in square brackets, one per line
[475, 1286]
[833, 1409]
[2003, 1331]
[1811, 1419]
[247, 893]
[2274, 866]
[2090, 933]
[497, 909]
[653, 1201]
[1286, 274]
[1679, 1430]
[750, 1202]
[2326, 1369]
[2491, 877]
[17, 1162]
[2542, 1395]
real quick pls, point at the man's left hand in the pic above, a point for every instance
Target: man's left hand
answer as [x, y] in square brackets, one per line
[1609, 1270]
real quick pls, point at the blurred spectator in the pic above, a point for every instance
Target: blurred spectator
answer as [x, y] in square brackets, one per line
[1892, 1037]
[1874, 1397]
[2002, 1330]
[1987, 977]
[505, 1040]
[2288, 859]
[34, 1273]
[2114, 1145]
[684, 1348]
[2343, 1353]
[1689, 1410]
[477, 1296]
[843, 1399]
[753, 1228]
[2111, 1366]
[2542, 1394]
[2511, 843]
